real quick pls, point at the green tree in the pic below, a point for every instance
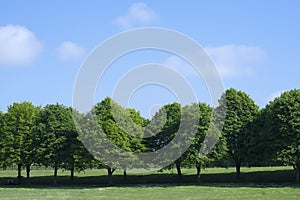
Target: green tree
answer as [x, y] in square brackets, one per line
[21, 141]
[77, 157]
[137, 118]
[2, 141]
[206, 133]
[260, 151]
[59, 138]
[284, 128]
[241, 110]
[163, 128]
[80, 158]
[89, 128]
[137, 125]
[202, 113]
[119, 135]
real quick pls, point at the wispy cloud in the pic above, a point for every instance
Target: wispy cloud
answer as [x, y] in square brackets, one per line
[69, 51]
[230, 60]
[274, 95]
[236, 60]
[139, 14]
[18, 45]
[181, 66]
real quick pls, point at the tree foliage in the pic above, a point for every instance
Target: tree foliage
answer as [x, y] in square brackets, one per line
[59, 138]
[284, 123]
[119, 138]
[2, 141]
[21, 143]
[241, 110]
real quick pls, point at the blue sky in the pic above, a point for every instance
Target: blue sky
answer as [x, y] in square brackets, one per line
[254, 44]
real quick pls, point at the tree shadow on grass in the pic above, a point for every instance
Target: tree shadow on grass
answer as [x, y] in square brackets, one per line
[280, 178]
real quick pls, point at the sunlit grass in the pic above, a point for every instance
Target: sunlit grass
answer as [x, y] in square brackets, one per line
[218, 183]
[153, 192]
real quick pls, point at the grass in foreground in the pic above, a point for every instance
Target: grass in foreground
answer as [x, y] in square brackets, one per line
[146, 192]
[210, 175]
[255, 183]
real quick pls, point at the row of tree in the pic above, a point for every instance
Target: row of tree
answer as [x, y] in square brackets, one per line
[121, 138]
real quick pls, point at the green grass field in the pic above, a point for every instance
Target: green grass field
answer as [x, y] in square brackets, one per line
[255, 183]
[153, 192]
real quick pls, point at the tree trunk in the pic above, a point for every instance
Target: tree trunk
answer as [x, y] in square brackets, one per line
[19, 173]
[28, 171]
[72, 172]
[198, 173]
[55, 175]
[178, 170]
[297, 173]
[238, 169]
[110, 171]
[125, 175]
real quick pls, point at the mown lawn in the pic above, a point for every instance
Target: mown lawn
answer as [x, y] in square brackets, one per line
[217, 183]
[145, 192]
[209, 175]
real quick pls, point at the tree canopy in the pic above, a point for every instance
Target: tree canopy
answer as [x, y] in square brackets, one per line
[241, 110]
[120, 138]
[20, 141]
[283, 122]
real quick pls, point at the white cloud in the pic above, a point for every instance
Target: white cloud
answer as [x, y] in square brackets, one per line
[138, 14]
[274, 95]
[230, 60]
[18, 45]
[68, 51]
[236, 60]
[180, 66]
